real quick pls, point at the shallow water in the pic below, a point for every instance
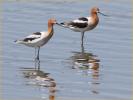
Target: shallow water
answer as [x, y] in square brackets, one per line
[109, 44]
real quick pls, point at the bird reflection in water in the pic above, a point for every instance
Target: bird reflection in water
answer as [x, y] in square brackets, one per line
[41, 79]
[88, 65]
[85, 60]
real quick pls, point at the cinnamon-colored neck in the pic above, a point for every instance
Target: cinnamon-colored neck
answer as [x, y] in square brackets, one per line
[93, 13]
[50, 27]
[95, 18]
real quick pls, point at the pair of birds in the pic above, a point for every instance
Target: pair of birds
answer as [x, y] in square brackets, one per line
[83, 24]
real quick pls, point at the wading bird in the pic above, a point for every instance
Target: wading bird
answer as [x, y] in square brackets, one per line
[83, 24]
[38, 39]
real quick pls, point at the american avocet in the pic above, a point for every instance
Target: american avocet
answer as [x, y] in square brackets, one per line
[38, 39]
[83, 24]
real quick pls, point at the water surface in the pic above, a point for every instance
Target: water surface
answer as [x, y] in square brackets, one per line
[109, 45]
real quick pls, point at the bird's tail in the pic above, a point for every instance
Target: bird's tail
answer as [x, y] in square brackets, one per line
[18, 41]
[63, 24]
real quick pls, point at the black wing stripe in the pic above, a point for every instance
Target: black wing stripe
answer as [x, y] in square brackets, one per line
[29, 39]
[79, 25]
[83, 19]
[37, 33]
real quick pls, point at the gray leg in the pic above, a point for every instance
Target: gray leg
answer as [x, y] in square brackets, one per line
[82, 38]
[38, 60]
[82, 48]
[35, 58]
[38, 53]
[82, 42]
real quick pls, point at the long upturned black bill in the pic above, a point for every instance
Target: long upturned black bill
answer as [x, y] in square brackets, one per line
[102, 14]
[58, 24]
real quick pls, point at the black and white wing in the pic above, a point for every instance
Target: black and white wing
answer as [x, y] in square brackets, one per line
[31, 38]
[78, 23]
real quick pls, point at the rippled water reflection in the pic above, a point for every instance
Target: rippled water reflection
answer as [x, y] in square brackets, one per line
[42, 79]
[99, 69]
